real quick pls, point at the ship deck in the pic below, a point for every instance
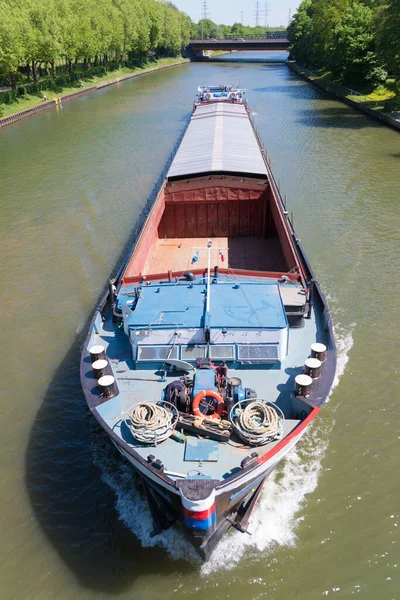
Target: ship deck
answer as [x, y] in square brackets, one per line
[255, 253]
[136, 386]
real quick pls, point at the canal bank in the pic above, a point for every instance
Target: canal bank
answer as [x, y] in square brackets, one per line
[105, 81]
[333, 89]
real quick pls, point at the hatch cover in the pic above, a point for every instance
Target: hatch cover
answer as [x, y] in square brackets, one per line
[201, 450]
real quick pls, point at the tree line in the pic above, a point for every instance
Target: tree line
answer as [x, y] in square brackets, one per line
[45, 32]
[357, 40]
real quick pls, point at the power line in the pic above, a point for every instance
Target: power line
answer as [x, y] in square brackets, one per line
[204, 10]
[266, 11]
[257, 14]
[289, 16]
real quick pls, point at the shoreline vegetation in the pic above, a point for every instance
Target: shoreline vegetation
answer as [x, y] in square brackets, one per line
[89, 81]
[348, 96]
[353, 46]
[381, 99]
[51, 47]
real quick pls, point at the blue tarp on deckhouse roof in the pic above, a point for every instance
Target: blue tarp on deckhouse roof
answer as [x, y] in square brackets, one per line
[232, 305]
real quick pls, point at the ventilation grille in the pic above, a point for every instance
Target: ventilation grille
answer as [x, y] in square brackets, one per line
[156, 353]
[265, 353]
[193, 352]
[222, 352]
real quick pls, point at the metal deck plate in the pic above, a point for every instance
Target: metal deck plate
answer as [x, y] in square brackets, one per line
[201, 450]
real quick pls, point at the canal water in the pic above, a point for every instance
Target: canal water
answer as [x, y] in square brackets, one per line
[73, 184]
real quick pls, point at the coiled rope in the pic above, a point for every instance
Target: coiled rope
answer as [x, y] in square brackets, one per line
[151, 423]
[258, 423]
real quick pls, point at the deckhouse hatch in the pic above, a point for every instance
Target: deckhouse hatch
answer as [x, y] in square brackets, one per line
[245, 317]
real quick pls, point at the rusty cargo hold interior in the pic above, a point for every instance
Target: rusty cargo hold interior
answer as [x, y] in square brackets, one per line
[227, 198]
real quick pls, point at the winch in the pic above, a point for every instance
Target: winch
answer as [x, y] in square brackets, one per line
[204, 379]
[210, 393]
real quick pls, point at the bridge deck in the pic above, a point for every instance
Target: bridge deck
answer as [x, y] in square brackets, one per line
[240, 44]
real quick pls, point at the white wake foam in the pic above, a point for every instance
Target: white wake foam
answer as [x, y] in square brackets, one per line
[344, 342]
[275, 518]
[131, 504]
[274, 521]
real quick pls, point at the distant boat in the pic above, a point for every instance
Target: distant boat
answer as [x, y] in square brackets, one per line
[212, 351]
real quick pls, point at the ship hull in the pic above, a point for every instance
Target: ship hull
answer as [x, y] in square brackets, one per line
[234, 505]
[235, 501]
[241, 209]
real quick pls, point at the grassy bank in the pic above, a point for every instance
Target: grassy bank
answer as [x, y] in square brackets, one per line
[384, 99]
[218, 52]
[30, 101]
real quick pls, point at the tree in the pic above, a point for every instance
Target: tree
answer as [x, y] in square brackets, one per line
[185, 29]
[353, 54]
[11, 43]
[42, 34]
[207, 29]
[170, 40]
[300, 32]
[325, 17]
[155, 23]
[356, 39]
[37, 32]
[388, 35]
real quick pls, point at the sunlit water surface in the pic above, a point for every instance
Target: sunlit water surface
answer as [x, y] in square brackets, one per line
[73, 184]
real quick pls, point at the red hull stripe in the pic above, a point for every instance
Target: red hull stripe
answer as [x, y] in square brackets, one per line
[199, 515]
[287, 439]
[202, 525]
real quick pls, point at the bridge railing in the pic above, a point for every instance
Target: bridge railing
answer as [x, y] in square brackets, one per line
[262, 36]
[276, 34]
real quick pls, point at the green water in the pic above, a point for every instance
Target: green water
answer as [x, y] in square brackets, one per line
[73, 183]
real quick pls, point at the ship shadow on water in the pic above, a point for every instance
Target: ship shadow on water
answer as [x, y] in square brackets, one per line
[73, 505]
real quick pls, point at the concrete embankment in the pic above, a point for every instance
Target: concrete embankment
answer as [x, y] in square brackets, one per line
[333, 89]
[53, 103]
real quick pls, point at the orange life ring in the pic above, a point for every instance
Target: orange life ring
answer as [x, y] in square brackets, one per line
[233, 96]
[207, 96]
[204, 394]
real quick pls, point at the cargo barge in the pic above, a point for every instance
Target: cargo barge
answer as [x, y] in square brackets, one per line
[212, 351]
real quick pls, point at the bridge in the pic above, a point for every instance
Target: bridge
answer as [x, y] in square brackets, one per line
[271, 41]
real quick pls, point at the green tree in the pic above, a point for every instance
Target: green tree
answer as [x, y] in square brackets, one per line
[207, 29]
[185, 29]
[170, 39]
[358, 40]
[156, 23]
[325, 17]
[353, 56]
[300, 33]
[12, 49]
[40, 32]
[388, 35]
[69, 20]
